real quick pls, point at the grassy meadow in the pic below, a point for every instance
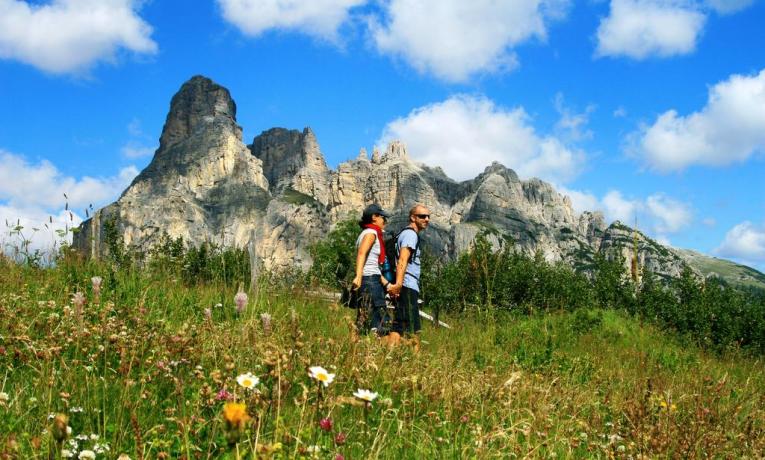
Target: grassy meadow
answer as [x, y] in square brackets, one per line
[144, 365]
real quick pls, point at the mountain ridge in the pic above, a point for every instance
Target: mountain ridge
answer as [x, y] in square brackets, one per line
[277, 195]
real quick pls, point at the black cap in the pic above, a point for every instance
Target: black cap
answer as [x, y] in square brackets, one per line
[373, 209]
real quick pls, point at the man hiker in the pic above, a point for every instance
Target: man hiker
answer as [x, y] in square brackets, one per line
[407, 285]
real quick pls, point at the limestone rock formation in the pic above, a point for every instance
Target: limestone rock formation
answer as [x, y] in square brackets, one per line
[277, 195]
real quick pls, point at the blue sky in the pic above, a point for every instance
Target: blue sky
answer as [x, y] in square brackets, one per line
[647, 109]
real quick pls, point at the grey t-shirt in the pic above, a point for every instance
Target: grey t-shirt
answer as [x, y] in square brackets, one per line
[408, 239]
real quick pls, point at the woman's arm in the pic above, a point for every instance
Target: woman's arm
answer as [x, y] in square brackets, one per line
[361, 257]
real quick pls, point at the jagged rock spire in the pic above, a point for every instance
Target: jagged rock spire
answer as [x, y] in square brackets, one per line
[199, 101]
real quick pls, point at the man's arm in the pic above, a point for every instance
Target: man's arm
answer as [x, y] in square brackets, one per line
[403, 261]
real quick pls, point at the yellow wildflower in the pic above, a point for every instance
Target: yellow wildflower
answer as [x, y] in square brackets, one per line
[235, 415]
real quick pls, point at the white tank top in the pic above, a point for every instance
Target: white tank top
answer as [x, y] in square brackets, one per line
[371, 265]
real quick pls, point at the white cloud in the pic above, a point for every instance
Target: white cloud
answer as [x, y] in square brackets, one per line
[580, 201]
[32, 195]
[136, 147]
[25, 185]
[728, 6]
[572, 125]
[620, 112]
[729, 129]
[454, 39]
[616, 207]
[642, 28]
[66, 36]
[671, 216]
[464, 134]
[745, 242]
[318, 18]
[657, 214]
[134, 150]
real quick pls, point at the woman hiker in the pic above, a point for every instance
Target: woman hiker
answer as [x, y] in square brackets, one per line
[369, 281]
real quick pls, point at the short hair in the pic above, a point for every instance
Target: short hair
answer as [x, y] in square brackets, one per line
[413, 209]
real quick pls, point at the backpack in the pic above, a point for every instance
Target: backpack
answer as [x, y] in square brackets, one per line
[388, 268]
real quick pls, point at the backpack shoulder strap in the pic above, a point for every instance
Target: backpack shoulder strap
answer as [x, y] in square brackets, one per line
[416, 246]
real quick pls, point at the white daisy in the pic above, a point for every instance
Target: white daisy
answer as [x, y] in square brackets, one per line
[247, 380]
[321, 374]
[365, 395]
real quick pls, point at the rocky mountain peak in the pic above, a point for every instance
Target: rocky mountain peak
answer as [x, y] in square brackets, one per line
[199, 102]
[396, 150]
[292, 160]
[277, 196]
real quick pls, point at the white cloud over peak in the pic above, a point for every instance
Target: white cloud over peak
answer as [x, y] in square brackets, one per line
[643, 28]
[745, 242]
[318, 18]
[729, 129]
[32, 195]
[455, 39]
[464, 134]
[69, 36]
[659, 214]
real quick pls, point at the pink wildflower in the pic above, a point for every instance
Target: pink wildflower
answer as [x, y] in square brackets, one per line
[223, 395]
[325, 424]
[240, 299]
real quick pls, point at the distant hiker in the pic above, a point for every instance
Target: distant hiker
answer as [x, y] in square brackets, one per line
[407, 285]
[371, 285]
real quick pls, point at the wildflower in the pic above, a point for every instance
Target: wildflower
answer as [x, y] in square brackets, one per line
[235, 416]
[123, 457]
[59, 428]
[365, 395]
[340, 438]
[66, 453]
[208, 313]
[223, 395]
[4, 398]
[240, 299]
[89, 454]
[325, 424]
[76, 409]
[78, 299]
[96, 282]
[265, 320]
[321, 375]
[339, 457]
[247, 381]
[313, 449]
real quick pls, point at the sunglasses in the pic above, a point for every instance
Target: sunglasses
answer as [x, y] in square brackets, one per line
[423, 216]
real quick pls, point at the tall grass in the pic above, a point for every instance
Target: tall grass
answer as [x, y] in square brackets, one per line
[147, 371]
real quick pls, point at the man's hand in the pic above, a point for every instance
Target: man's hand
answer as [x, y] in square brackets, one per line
[356, 283]
[394, 289]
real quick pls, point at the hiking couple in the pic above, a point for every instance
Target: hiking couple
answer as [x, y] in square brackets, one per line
[370, 279]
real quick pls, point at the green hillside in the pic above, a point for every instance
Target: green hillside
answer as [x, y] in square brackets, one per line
[733, 273]
[145, 370]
